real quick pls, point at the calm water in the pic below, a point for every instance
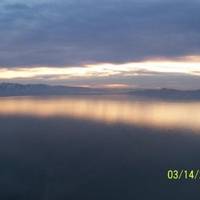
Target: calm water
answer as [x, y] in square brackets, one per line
[98, 148]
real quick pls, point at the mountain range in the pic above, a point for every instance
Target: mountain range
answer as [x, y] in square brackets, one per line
[15, 89]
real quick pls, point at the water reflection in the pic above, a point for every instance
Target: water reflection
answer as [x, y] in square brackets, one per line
[110, 110]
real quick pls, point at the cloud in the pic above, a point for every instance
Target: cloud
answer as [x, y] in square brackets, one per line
[141, 75]
[177, 81]
[76, 32]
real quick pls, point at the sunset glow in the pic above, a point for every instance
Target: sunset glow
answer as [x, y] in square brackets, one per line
[104, 70]
[157, 114]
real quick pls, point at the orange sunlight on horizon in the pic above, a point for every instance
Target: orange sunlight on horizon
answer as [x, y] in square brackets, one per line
[190, 65]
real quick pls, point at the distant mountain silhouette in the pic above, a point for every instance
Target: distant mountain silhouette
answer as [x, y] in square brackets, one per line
[165, 93]
[14, 89]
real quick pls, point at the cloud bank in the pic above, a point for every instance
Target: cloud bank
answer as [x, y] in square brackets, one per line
[80, 32]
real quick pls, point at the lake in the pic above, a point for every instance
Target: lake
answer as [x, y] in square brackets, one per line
[97, 147]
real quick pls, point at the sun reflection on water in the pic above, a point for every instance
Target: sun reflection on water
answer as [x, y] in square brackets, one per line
[159, 114]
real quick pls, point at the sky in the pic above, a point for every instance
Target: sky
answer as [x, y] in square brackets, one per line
[107, 43]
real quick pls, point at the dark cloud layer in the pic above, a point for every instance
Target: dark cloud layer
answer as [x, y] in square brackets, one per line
[78, 32]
